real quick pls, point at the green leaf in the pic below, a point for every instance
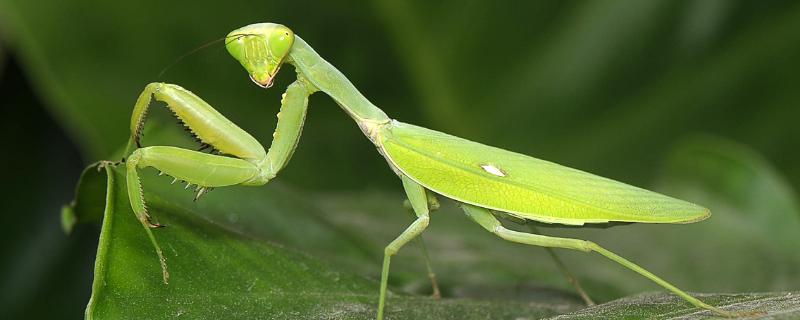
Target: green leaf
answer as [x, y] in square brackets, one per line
[778, 305]
[216, 272]
[220, 273]
[87, 207]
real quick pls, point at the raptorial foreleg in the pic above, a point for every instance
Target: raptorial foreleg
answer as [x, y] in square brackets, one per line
[196, 168]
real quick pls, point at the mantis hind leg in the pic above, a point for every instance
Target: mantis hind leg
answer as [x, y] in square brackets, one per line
[485, 218]
[561, 266]
[419, 202]
[201, 169]
[433, 205]
[564, 270]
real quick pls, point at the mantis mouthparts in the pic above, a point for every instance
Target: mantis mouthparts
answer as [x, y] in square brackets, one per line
[266, 84]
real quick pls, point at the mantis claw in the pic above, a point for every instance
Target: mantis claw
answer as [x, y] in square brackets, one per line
[153, 225]
[148, 222]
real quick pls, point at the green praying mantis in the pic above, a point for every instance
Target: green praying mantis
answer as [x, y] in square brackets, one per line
[485, 181]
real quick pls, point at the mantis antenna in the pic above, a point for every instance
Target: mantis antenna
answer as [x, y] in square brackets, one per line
[195, 50]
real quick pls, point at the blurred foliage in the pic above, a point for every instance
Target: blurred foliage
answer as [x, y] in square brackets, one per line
[40, 168]
[2, 58]
[584, 84]
[696, 99]
[738, 180]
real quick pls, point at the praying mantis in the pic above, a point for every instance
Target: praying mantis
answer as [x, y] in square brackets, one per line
[485, 181]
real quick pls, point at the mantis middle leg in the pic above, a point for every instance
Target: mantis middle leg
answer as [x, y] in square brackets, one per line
[565, 271]
[485, 218]
[561, 266]
[419, 202]
[433, 205]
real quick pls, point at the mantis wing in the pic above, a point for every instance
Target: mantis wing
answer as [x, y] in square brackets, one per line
[523, 186]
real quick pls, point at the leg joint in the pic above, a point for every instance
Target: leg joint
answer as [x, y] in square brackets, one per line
[424, 220]
[153, 87]
[589, 246]
[133, 159]
[410, 233]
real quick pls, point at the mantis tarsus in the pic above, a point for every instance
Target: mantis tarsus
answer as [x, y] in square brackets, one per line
[485, 181]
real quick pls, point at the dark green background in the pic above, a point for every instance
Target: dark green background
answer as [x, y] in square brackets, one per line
[619, 88]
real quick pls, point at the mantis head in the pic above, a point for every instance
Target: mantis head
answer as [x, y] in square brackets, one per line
[261, 49]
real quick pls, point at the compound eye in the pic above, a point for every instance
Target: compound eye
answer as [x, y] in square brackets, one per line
[280, 42]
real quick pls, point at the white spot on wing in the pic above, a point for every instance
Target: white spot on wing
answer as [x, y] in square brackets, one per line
[493, 170]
